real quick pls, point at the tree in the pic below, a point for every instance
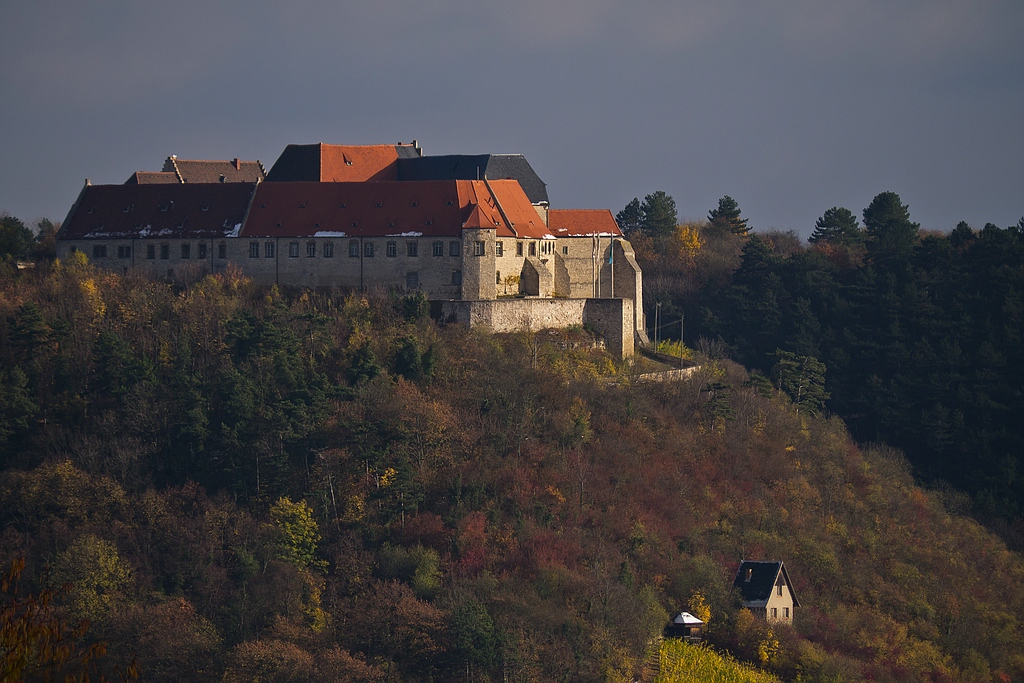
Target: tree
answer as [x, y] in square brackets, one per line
[891, 235]
[837, 226]
[45, 246]
[298, 531]
[727, 215]
[631, 218]
[659, 214]
[15, 238]
[803, 379]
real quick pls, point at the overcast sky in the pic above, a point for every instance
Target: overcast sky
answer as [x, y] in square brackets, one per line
[789, 107]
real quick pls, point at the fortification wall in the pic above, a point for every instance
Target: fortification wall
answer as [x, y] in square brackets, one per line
[613, 319]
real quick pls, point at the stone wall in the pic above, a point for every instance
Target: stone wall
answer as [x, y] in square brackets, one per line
[611, 318]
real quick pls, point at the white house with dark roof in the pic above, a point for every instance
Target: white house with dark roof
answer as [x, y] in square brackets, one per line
[767, 591]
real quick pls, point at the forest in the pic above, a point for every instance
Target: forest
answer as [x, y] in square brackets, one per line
[913, 338]
[221, 482]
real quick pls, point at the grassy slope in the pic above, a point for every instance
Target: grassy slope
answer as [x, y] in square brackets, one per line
[686, 663]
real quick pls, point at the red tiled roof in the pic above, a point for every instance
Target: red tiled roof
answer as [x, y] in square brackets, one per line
[152, 178]
[174, 211]
[582, 223]
[299, 209]
[526, 222]
[199, 171]
[357, 163]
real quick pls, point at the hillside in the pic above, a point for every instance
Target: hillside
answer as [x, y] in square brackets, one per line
[312, 486]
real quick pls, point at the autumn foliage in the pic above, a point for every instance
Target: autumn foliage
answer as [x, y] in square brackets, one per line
[253, 484]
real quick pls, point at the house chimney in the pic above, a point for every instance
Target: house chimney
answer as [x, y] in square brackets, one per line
[416, 146]
[238, 164]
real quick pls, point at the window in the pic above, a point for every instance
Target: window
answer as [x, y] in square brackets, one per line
[519, 248]
[222, 250]
[779, 589]
[499, 248]
[438, 248]
[478, 248]
[353, 248]
[254, 249]
[775, 612]
[454, 248]
[412, 249]
[310, 249]
[124, 252]
[785, 613]
[99, 251]
[268, 249]
[392, 249]
[368, 249]
[533, 248]
[456, 277]
[565, 250]
[186, 251]
[497, 277]
[293, 250]
[151, 251]
[412, 280]
[202, 250]
[328, 249]
[165, 251]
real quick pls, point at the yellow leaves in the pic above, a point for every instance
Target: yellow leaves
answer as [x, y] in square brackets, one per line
[355, 509]
[699, 607]
[555, 493]
[92, 299]
[387, 478]
[298, 532]
[97, 575]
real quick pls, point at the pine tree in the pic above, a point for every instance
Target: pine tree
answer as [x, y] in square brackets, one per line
[631, 218]
[837, 226]
[891, 235]
[659, 214]
[727, 215]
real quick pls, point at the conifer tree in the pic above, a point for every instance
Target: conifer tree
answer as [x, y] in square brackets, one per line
[727, 215]
[837, 226]
[659, 214]
[631, 218]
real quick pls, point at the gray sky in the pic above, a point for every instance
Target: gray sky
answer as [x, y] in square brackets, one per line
[789, 107]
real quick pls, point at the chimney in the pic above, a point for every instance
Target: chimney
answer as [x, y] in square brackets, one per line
[238, 164]
[416, 146]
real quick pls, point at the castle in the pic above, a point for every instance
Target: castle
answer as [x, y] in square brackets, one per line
[475, 233]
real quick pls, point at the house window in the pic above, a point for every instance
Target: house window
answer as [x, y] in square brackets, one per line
[310, 249]
[99, 251]
[533, 248]
[151, 251]
[497, 277]
[412, 249]
[779, 589]
[412, 280]
[124, 252]
[499, 248]
[328, 249]
[392, 249]
[478, 249]
[775, 612]
[165, 251]
[202, 250]
[785, 613]
[565, 251]
[254, 249]
[368, 249]
[186, 251]
[438, 248]
[454, 248]
[353, 248]
[268, 249]
[222, 250]
[293, 250]
[519, 248]
[456, 277]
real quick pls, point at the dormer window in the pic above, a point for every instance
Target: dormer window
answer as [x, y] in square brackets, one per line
[749, 575]
[379, 204]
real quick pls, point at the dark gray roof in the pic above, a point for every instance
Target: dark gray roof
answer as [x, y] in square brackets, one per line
[763, 576]
[476, 167]
[179, 211]
[297, 163]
